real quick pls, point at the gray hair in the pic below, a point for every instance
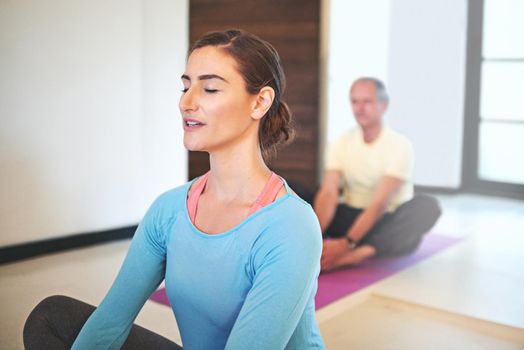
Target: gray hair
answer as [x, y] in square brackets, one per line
[380, 88]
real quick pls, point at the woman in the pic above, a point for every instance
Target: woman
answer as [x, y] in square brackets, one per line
[239, 251]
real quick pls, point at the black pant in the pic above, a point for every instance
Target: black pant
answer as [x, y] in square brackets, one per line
[57, 320]
[395, 233]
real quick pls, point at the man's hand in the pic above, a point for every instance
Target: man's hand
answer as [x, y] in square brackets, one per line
[326, 200]
[333, 249]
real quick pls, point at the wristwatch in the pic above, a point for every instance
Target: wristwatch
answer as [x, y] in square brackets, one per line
[351, 243]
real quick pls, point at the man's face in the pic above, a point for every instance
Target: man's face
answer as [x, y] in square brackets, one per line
[368, 110]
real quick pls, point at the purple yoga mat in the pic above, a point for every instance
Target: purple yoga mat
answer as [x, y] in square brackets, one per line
[337, 284]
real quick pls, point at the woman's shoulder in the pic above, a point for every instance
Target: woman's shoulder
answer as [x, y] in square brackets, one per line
[296, 203]
[293, 218]
[171, 200]
[291, 231]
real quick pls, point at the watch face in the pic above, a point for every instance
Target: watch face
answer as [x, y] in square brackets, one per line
[351, 243]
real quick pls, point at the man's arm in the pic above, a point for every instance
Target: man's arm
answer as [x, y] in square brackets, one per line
[326, 200]
[333, 249]
[386, 189]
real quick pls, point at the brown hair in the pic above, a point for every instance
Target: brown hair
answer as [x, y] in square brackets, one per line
[259, 64]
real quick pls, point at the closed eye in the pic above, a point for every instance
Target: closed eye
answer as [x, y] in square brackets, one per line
[211, 91]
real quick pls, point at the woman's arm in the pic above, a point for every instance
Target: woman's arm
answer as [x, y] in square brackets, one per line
[141, 273]
[286, 264]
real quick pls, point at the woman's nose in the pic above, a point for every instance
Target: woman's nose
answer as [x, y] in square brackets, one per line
[187, 101]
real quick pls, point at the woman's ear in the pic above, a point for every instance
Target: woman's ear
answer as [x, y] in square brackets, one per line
[263, 102]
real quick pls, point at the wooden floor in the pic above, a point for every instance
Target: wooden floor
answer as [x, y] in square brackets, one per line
[468, 296]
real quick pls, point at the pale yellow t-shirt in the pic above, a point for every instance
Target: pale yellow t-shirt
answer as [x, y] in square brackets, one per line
[363, 165]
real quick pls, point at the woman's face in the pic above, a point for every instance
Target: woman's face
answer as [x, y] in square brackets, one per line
[215, 106]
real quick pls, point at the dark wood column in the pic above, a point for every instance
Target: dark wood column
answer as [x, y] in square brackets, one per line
[293, 27]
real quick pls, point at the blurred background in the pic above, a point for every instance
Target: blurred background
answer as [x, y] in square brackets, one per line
[90, 135]
[89, 124]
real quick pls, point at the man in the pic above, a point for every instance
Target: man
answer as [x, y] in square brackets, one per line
[373, 164]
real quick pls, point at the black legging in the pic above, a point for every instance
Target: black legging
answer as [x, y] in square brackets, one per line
[395, 233]
[56, 321]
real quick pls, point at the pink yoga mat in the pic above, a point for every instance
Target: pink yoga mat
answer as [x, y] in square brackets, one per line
[337, 284]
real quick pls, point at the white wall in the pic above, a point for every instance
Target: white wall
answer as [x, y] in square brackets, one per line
[418, 48]
[358, 46]
[89, 130]
[427, 71]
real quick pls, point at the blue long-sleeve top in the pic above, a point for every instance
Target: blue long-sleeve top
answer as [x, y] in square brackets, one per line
[251, 287]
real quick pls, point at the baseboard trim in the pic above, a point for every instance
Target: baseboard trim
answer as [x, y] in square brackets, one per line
[436, 190]
[33, 249]
[485, 191]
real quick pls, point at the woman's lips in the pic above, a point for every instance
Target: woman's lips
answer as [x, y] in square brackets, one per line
[192, 124]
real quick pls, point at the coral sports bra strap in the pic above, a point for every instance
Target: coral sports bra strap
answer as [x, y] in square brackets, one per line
[192, 200]
[267, 196]
[269, 193]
